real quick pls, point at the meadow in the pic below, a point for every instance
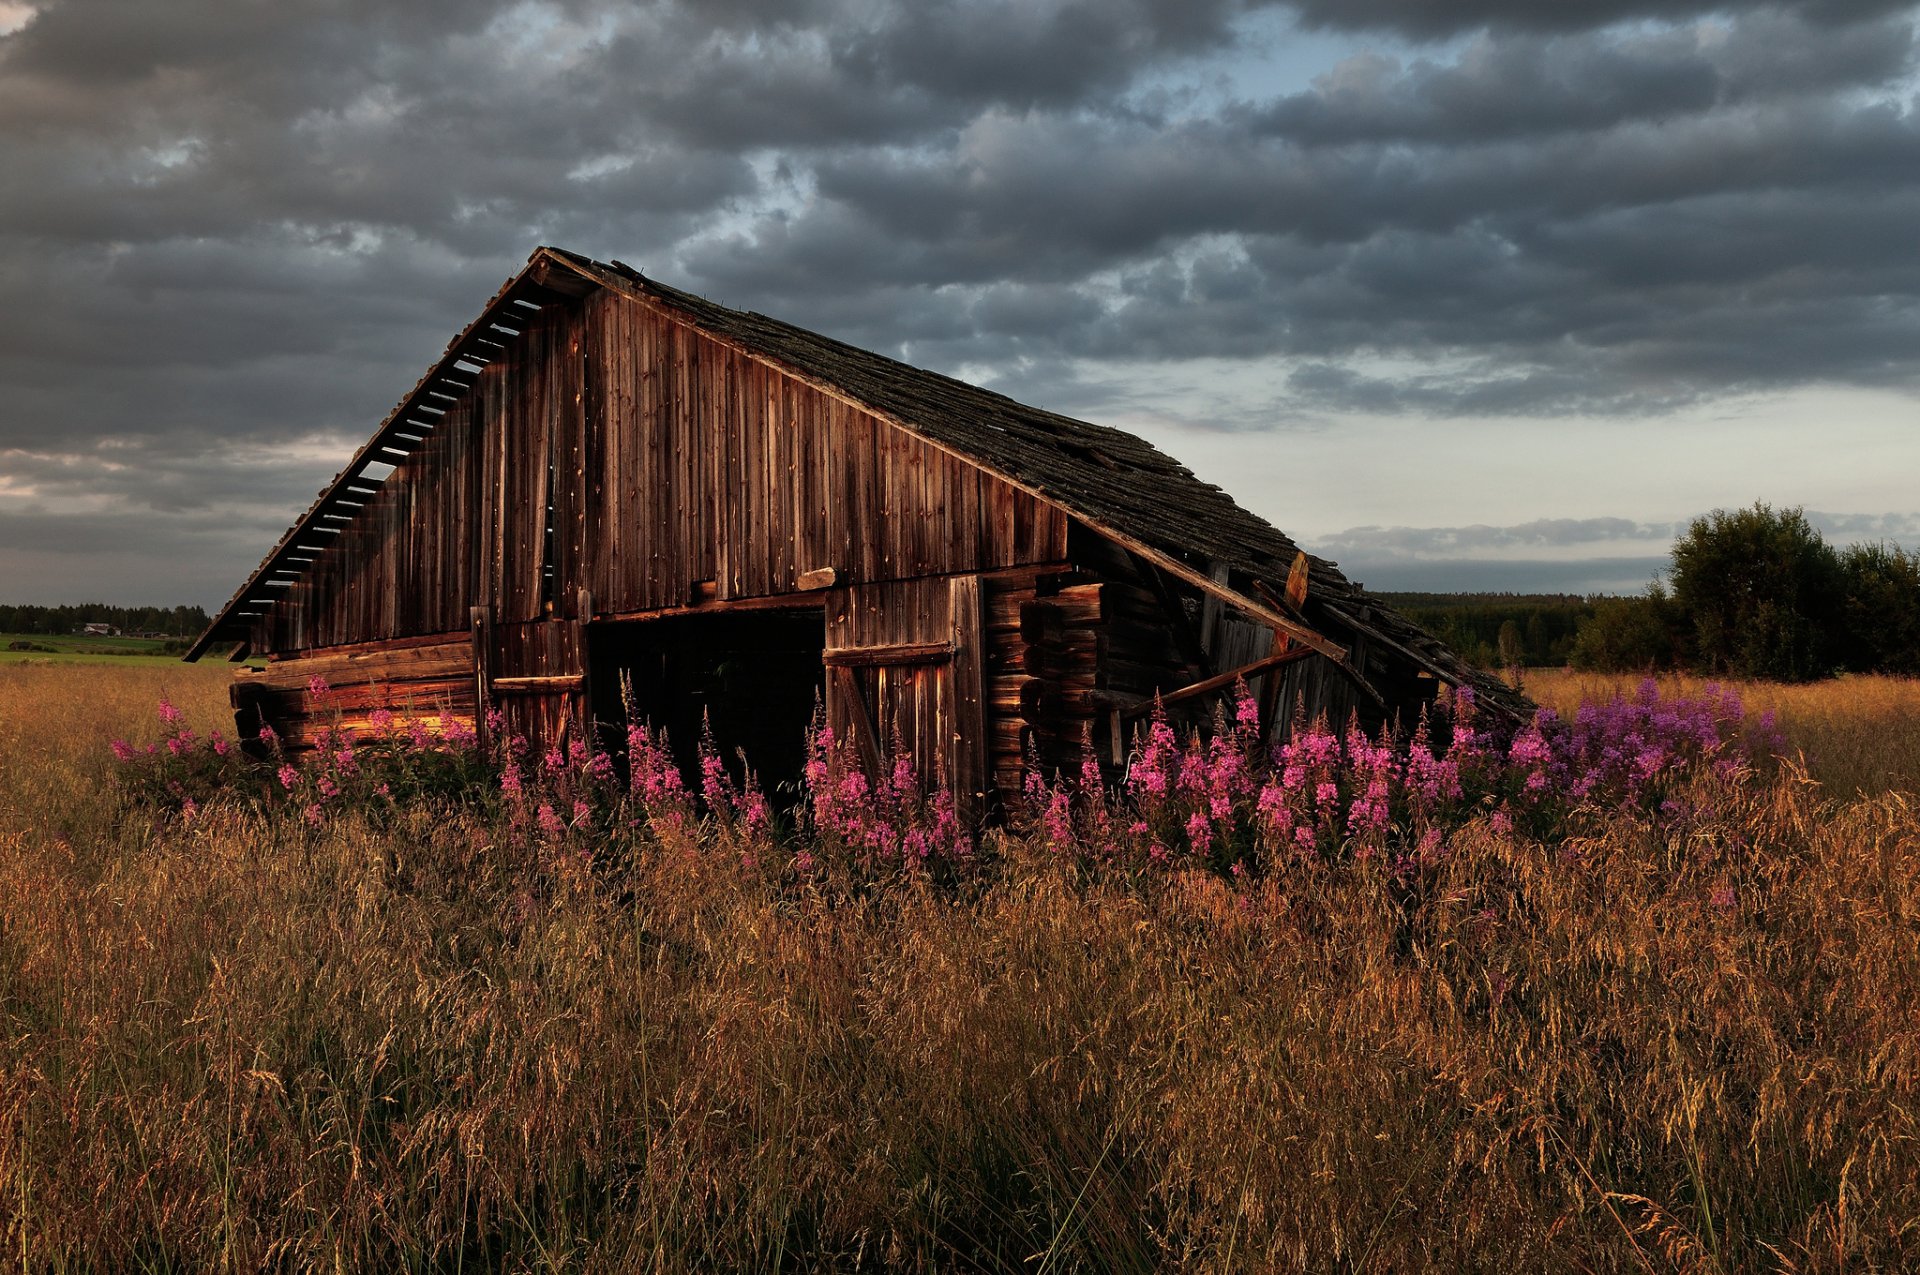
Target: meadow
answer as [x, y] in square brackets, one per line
[1680, 1035]
[82, 648]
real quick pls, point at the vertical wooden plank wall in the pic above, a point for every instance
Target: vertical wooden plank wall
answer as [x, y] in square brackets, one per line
[720, 468]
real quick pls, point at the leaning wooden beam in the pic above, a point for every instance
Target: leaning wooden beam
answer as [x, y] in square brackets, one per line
[1221, 681]
[866, 736]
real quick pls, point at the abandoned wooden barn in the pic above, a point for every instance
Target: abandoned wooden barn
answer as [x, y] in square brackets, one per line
[605, 479]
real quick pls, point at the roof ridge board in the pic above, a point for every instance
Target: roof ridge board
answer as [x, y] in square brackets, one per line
[351, 472]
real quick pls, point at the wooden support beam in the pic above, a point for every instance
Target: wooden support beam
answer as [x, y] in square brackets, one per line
[1222, 681]
[538, 685]
[889, 656]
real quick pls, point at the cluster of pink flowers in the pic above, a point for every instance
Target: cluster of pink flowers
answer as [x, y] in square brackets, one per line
[1237, 804]
[1227, 799]
[881, 826]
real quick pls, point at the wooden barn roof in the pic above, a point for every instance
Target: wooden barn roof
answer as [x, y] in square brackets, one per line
[1115, 481]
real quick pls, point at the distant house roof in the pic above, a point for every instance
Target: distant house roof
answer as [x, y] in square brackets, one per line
[1115, 481]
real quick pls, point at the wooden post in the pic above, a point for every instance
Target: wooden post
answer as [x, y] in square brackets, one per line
[967, 726]
[480, 635]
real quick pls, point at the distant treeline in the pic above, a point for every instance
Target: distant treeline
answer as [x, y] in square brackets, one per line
[1752, 593]
[170, 621]
[1498, 630]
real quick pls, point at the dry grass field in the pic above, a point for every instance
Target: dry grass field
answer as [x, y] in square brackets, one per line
[404, 1043]
[1859, 734]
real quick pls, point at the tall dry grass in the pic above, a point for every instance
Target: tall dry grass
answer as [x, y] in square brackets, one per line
[245, 1044]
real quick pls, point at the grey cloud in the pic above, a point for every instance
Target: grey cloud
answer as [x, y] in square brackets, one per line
[1605, 576]
[1424, 19]
[1523, 85]
[1375, 543]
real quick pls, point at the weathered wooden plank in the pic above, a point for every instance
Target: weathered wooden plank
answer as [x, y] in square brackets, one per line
[892, 654]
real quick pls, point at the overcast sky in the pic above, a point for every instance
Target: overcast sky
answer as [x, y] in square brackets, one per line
[1461, 293]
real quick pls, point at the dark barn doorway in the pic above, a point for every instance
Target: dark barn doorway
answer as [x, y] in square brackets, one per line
[754, 676]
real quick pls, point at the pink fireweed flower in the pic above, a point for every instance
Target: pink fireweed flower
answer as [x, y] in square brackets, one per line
[188, 809]
[123, 751]
[496, 721]
[268, 736]
[511, 784]
[417, 736]
[178, 745]
[315, 814]
[754, 812]
[803, 861]
[549, 821]
[346, 762]
[714, 784]
[317, 686]
[382, 790]
[289, 777]
[1147, 777]
[328, 788]
[1199, 833]
[1057, 821]
[582, 813]
[169, 714]
[220, 745]
[906, 784]
[381, 719]
[1246, 711]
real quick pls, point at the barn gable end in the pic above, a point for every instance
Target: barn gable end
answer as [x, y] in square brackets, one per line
[601, 467]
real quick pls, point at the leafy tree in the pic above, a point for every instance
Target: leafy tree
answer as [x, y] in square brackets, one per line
[1879, 629]
[1763, 590]
[1628, 635]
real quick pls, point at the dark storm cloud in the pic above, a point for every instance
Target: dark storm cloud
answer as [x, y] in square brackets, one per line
[227, 228]
[1514, 86]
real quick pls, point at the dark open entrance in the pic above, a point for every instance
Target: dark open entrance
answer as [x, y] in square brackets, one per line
[754, 675]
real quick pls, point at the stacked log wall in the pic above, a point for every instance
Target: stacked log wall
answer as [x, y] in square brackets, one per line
[429, 680]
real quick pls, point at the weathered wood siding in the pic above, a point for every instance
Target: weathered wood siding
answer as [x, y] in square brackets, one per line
[615, 449]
